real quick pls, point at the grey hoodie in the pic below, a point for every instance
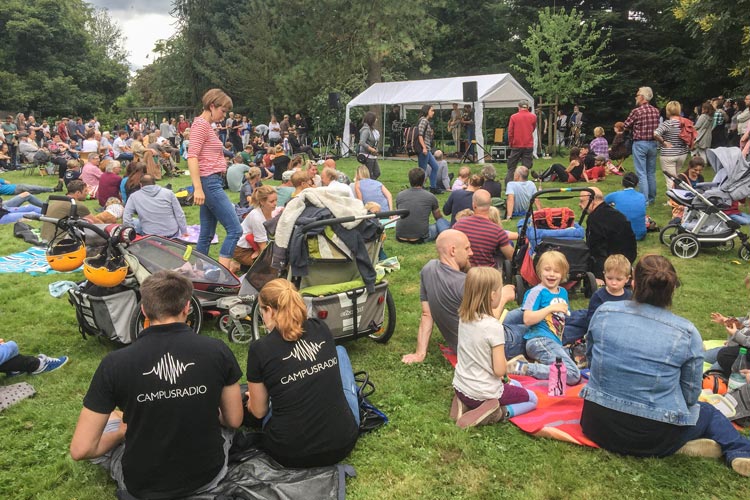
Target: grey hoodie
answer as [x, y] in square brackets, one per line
[158, 211]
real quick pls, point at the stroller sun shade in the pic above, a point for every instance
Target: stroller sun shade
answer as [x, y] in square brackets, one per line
[736, 184]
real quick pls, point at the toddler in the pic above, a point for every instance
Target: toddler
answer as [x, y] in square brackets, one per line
[616, 275]
[462, 180]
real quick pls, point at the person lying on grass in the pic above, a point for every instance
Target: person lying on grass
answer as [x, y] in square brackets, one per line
[484, 394]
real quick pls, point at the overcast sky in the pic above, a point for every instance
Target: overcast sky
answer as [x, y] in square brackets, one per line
[143, 22]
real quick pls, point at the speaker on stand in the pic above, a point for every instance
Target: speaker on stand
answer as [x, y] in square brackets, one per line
[470, 92]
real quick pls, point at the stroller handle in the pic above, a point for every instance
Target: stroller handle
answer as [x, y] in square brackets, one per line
[352, 218]
[68, 223]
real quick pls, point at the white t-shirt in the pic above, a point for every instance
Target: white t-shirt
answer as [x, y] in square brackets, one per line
[474, 376]
[253, 224]
[458, 184]
[117, 146]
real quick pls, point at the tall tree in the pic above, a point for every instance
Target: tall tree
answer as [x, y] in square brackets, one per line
[565, 57]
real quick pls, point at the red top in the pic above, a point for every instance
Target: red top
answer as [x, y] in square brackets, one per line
[486, 239]
[521, 129]
[207, 148]
[62, 131]
[183, 126]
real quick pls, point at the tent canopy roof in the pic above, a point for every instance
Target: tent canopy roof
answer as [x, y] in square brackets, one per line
[495, 91]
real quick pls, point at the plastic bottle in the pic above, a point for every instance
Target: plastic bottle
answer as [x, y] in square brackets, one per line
[737, 378]
[557, 377]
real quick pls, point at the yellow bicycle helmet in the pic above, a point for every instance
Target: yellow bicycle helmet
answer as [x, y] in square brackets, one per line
[65, 254]
[105, 270]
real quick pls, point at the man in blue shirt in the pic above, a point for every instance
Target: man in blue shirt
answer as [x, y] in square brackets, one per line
[631, 203]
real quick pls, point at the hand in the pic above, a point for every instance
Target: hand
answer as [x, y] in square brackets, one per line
[718, 318]
[412, 358]
[2, 341]
[558, 307]
[199, 198]
[666, 144]
[731, 329]
[509, 293]
[424, 151]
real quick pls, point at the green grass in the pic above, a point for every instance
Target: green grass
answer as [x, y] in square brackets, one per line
[421, 453]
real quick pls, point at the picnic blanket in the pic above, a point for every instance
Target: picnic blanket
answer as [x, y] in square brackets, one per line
[32, 261]
[554, 417]
[193, 232]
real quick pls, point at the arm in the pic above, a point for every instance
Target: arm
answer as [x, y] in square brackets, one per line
[509, 202]
[507, 250]
[127, 214]
[498, 361]
[230, 406]
[388, 196]
[423, 336]
[257, 404]
[89, 439]
[437, 214]
[357, 191]
[198, 196]
[179, 215]
[533, 317]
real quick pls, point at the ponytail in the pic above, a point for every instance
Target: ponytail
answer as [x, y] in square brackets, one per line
[291, 312]
[261, 194]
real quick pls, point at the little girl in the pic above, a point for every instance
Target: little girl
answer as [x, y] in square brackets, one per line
[484, 394]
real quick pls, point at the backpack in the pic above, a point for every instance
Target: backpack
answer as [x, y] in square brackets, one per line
[554, 218]
[412, 140]
[185, 196]
[628, 141]
[688, 134]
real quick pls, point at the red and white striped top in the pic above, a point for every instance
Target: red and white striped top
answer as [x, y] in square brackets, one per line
[207, 148]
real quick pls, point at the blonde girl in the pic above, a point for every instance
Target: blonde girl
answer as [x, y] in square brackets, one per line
[483, 393]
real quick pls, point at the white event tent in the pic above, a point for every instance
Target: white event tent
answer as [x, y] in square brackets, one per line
[493, 91]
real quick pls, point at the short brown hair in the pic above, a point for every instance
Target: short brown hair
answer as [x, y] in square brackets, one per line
[165, 294]
[217, 97]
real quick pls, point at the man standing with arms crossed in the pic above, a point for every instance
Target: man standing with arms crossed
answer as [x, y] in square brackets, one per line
[521, 139]
[642, 122]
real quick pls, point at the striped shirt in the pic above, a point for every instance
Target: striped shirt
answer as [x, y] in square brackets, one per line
[669, 130]
[207, 148]
[486, 239]
[643, 120]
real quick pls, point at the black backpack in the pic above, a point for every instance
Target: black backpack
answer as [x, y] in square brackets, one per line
[412, 140]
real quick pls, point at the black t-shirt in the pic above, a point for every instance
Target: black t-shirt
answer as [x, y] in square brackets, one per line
[71, 175]
[310, 414]
[280, 163]
[168, 385]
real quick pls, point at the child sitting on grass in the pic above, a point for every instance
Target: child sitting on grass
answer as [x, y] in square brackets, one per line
[738, 330]
[545, 308]
[484, 395]
[462, 181]
[616, 275]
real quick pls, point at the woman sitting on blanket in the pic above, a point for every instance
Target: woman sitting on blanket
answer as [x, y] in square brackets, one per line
[484, 394]
[300, 384]
[646, 373]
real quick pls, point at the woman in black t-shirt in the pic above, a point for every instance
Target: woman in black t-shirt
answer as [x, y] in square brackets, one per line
[295, 386]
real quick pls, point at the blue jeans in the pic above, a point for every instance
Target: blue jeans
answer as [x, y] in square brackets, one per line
[18, 213]
[347, 381]
[470, 136]
[514, 332]
[423, 160]
[8, 350]
[124, 156]
[644, 158]
[31, 188]
[217, 208]
[17, 201]
[712, 424]
[544, 351]
[438, 227]
[741, 218]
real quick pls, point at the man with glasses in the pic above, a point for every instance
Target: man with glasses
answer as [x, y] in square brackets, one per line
[642, 122]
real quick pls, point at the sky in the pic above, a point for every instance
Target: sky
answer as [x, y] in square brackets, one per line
[143, 22]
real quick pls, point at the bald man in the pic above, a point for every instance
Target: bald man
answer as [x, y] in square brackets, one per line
[441, 290]
[489, 242]
[608, 232]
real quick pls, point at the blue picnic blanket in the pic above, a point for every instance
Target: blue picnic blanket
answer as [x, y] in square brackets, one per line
[32, 261]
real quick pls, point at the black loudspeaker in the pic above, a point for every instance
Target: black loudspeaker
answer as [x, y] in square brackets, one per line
[334, 100]
[470, 92]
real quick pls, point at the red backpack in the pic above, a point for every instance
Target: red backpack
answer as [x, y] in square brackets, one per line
[687, 132]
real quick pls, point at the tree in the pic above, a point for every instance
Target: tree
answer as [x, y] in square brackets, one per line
[566, 57]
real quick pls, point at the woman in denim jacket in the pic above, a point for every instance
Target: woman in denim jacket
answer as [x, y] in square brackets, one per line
[646, 372]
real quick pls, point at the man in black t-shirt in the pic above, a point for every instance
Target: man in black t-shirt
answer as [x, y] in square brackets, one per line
[179, 395]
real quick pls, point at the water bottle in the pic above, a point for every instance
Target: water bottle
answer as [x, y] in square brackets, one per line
[557, 377]
[737, 378]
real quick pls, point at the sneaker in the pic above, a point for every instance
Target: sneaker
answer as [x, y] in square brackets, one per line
[458, 408]
[707, 448]
[741, 466]
[488, 412]
[47, 364]
[517, 366]
[12, 374]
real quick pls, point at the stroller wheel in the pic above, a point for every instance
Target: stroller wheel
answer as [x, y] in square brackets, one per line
[745, 251]
[668, 232]
[520, 288]
[258, 327]
[726, 246]
[194, 319]
[224, 323]
[242, 334]
[589, 285]
[685, 246]
[385, 332]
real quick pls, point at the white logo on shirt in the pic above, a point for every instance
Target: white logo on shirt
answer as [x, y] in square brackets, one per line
[305, 350]
[169, 369]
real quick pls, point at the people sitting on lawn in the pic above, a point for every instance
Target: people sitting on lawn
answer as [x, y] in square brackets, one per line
[91, 173]
[545, 309]
[367, 189]
[57, 209]
[158, 210]
[518, 194]
[489, 183]
[460, 199]
[109, 182]
[483, 393]
[313, 422]
[254, 235]
[642, 394]
[489, 241]
[421, 204]
[574, 172]
[462, 181]
[179, 399]
[330, 179]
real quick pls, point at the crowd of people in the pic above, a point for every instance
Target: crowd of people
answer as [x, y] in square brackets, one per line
[312, 420]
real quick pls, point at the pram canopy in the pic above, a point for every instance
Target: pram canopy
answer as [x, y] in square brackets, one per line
[736, 184]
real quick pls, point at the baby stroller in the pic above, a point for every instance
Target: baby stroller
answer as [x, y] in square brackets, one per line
[107, 303]
[331, 260]
[552, 229]
[703, 223]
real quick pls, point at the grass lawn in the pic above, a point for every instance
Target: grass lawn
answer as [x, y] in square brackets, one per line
[421, 453]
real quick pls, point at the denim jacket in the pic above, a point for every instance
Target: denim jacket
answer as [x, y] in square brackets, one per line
[644, 361]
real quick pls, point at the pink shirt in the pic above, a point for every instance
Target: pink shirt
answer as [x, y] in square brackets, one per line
[90, 174]
[207, 148]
